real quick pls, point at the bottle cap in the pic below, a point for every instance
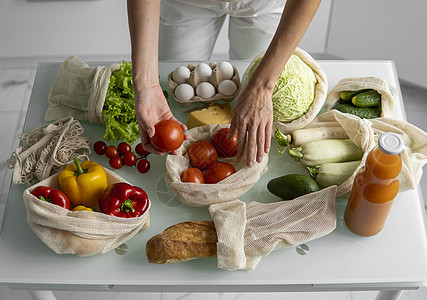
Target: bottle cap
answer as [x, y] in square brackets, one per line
[390, 143]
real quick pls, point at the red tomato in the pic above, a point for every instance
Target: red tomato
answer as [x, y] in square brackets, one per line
[202, 153]
[224, 146]
[217, 171]
[111, 151]
[123, 148]
[193, 175]
[168, 136]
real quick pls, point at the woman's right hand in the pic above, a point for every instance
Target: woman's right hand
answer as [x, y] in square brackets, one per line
[150, 108]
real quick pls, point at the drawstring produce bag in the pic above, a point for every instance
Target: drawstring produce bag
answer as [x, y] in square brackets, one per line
[387, 93]
[82, 233]
[79, 91]
[47, 149]
[365, 133]
[228, 189]
[299, 93]
[247, 232]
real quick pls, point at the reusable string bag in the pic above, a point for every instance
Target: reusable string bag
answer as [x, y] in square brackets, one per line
[79, 91]
[359, 83]
[81, 233]
[365, 133]
[228, 189]
[47, 149]
[320, 89]
[246, 232]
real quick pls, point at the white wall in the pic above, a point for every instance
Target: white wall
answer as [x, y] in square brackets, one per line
[37, 30]
[382, 29]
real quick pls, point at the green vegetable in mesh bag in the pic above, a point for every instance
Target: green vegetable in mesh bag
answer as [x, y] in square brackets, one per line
[294, 91]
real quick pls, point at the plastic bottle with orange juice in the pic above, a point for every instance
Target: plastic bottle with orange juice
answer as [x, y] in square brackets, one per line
[375, 187]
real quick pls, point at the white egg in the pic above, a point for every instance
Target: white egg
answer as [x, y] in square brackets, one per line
[204, 71]
[184, 92]
[226, 70]
[181, 74]
[227, 87]
[205, 90]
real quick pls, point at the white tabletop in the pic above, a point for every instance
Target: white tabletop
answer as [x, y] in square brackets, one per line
[396, 258]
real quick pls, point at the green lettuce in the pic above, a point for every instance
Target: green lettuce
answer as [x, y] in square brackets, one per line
[118, 111]
[293, 93]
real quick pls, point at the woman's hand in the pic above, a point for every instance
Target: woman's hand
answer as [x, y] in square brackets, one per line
[150, 108]
[253, 120]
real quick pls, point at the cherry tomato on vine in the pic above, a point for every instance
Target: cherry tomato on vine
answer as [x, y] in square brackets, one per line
[224, 146]
[123, 148]
[140, 150]
[99, 147]
[129, 159]
[217, 171]
[143, 166]
[116, 162]
[201, 154]
[193, 175]
[111, 151]
[168, 136]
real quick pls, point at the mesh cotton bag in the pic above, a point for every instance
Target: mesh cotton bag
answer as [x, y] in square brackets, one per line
[47, 149]
[359, 83]
[79, 91]
[299, 62]
[247, 232]
[82, 233]
[230, 188]
[365, 133]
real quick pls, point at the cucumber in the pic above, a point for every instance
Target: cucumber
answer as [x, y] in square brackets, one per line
[348, 95]
[320, 152]
[291, 186]
[333, 173]
[361, 112]
[367, 99]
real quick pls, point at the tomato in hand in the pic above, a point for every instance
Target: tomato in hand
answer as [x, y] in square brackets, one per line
[224, 146]
[193, 175]
[168, 136]
[217, 171]
[201, 154]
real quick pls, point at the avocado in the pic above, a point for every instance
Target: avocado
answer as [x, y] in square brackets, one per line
[291, 186]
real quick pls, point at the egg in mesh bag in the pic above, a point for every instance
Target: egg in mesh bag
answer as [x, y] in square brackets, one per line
[230, 188]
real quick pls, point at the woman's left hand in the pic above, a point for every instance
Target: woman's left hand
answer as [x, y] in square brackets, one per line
[253, 120]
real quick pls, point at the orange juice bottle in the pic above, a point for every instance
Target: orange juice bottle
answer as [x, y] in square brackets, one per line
[375, 187]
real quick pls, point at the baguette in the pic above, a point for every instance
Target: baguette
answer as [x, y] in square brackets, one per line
[182, 242]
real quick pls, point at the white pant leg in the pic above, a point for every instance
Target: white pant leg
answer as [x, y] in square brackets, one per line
[189, 28]
[252, 26]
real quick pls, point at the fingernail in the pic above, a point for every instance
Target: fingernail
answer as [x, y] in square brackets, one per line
[250, 164]
[149, 132]
[267, 150]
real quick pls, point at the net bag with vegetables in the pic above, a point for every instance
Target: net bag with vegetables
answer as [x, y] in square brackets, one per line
[231, 188]
[365, 97]
[299, 93]
[79, 231]
[101, 94]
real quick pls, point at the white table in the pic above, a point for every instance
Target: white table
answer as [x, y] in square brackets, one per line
[394, 260]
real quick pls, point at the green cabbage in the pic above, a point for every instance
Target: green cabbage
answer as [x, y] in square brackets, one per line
[293, 93]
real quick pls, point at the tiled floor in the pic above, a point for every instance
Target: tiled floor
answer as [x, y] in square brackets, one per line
[15, 90]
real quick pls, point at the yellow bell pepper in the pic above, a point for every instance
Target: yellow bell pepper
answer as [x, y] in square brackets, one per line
[81, 208]
[83, 183]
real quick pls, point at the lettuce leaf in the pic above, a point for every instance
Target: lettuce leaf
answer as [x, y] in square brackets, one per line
[119, 107]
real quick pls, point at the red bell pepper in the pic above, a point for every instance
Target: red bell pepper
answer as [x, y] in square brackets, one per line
[51, 195]
[123, 200]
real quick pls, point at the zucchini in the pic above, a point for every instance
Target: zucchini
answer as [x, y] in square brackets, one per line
[333, 173]
[348, 95]
[320, 152]
[367, 99]
[291, 186]
[361, 112]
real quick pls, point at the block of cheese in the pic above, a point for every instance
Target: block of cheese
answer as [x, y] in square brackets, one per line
[215, 114]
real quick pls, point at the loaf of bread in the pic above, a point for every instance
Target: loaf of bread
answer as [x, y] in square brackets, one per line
[182, 242]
